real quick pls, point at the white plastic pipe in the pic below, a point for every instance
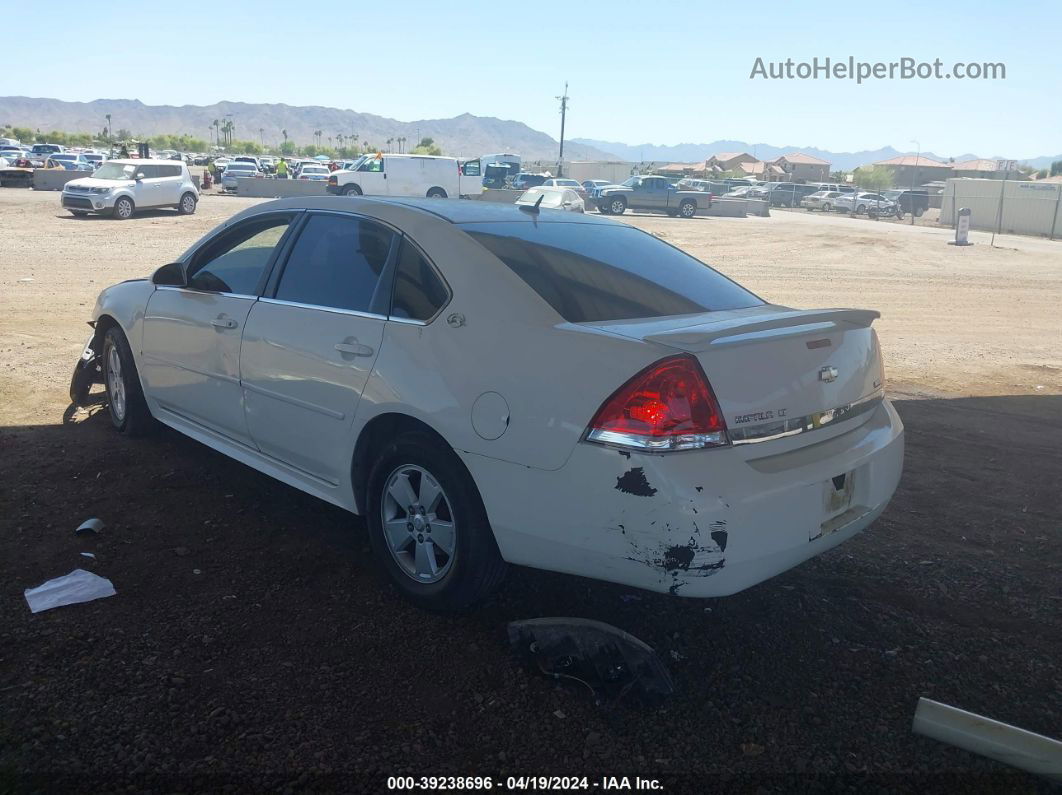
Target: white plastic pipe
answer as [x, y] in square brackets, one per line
[1000, 741]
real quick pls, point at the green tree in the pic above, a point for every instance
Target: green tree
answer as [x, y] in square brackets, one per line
[873, 178]
[1056, 168]
[1041, 174]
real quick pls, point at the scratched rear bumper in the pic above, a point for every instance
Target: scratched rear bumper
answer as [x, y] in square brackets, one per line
[700, 523]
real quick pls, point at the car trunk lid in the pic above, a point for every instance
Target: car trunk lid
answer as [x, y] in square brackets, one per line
[775, 370]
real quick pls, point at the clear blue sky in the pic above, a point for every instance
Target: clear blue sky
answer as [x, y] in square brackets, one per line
[639, 72]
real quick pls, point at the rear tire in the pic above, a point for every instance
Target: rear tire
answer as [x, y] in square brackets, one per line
[825, 208]
[918, 212]
[688, 208]
[187, 205]
[125, 399]
[436, 193]
[450, 571]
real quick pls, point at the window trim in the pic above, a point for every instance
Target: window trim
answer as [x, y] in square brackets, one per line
[393, 275]
[269, 290]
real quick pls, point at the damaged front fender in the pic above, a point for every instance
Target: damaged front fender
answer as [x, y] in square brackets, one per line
[88, 370]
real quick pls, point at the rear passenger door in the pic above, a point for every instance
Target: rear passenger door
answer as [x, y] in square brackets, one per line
[310, 342]
[169, 183]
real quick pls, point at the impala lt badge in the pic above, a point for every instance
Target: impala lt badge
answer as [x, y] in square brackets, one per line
[828, 374]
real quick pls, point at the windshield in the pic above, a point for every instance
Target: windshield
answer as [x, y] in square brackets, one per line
[115, 171]
[240, 167]
[891, 194]
[632, 182]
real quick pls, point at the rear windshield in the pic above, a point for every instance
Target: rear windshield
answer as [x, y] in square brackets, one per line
[594, 273]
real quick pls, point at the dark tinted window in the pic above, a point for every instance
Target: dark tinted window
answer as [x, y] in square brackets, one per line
[419, 292]
[336, 262]
[235, 262]
[591, 272]
[147, 172]
[169, 171]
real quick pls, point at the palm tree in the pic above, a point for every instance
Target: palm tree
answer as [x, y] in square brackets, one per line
[261, 134]
[389, 142]
[317, 135]
[217, 132]
[108, 117]
[285, 134]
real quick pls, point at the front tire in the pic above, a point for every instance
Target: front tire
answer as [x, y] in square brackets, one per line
[78, 213]
[125, 399]
[123, 208]
[826, 208]
[187, 205]
[351, 190]
[617, 206]
[428, 527]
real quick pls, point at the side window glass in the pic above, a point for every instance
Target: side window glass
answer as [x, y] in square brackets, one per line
[419, 292]
[146, 172]
[336, 262]
[373, 164]
[471, 168]
[235, 263]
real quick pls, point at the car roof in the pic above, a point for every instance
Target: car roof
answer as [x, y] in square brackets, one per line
[146, 162]
[456, 211]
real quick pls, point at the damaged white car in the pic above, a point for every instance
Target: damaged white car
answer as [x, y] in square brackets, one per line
[491, 385]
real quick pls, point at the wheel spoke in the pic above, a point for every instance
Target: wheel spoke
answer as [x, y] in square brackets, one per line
[397, 534]
[429, 493]
[401, 491]
[424, 562]
[442, 535]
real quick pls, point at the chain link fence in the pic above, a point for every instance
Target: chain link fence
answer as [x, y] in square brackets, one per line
[1005, 206]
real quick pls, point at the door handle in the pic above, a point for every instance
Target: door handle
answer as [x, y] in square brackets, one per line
[224, 322]
[354, 349]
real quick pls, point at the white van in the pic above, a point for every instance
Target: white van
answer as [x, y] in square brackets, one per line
[399, 175]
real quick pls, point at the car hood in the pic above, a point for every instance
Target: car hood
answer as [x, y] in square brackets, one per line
[91, 182]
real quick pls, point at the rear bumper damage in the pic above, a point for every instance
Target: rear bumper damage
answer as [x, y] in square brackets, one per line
[700, 523]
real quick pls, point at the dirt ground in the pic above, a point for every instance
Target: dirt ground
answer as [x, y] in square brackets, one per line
[253, 646]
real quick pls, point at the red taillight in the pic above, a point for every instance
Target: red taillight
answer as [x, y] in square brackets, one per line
[667, 406]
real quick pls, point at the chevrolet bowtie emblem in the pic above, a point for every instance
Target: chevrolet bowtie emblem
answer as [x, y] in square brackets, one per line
[828, 374]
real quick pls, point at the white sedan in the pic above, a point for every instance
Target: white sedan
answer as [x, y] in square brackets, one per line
[487, 384]
[552, 198]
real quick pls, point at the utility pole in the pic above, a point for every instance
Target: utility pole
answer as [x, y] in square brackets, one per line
[913, 172]
[563, 112]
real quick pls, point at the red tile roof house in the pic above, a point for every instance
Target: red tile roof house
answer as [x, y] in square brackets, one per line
[800, 167]
[984, 169]
[915, 170]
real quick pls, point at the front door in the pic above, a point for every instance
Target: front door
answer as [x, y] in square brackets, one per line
[191, 342]
[371, 177]
[309, 349]
[653, 193]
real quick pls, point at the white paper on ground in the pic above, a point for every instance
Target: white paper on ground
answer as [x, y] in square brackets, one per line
[76, 587]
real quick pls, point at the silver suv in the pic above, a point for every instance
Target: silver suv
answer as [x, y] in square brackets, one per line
[121, 187]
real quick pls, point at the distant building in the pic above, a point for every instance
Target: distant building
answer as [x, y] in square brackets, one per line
[914, 169]
[799, 167]
[728, 161]
[986, 169]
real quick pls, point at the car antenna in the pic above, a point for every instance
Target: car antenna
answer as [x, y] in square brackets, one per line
[533, 208]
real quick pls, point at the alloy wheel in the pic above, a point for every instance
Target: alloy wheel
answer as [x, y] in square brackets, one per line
[115, 384]
[418, 524]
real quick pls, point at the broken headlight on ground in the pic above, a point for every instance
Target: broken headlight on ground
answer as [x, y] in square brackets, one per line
[609, 661]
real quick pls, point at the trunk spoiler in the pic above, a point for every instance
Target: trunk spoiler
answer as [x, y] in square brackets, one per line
[743, 330]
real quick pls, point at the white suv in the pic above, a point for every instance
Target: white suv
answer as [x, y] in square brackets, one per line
[121, 187]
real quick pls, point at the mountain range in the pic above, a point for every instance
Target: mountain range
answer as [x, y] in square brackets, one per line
[464, 135]
[841, 161]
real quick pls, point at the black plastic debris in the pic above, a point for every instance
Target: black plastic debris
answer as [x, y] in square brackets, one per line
[610, 662]
[89, 526]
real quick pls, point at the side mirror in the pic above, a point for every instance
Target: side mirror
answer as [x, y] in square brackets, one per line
[171, 275]
[138, 176]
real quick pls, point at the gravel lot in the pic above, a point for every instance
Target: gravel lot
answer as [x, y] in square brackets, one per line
[252, 645]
